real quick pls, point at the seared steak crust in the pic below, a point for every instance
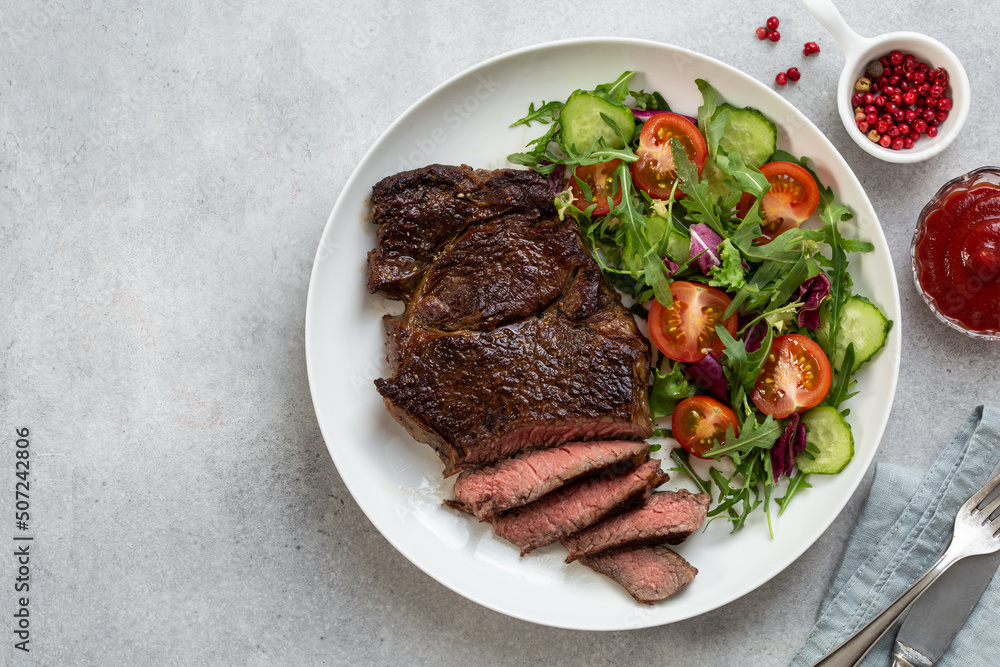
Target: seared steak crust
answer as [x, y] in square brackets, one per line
[511, 338]
[668, 517]
[647, 573]
[576, 506]
[419, 211]
[521, 480]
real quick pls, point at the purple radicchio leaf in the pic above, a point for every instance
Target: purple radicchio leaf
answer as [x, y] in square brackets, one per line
[800, 440]
[704, 246]
[755, 337]
[709, 376]
[556, 181]
[671, 266]
[790, 444]
[811, 293]
[646, 114]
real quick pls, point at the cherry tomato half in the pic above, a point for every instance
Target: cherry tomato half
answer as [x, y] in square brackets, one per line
[599, 178]
[793, 197]
[686, 331]
[655, 172]
[795, 377]
[700, 422]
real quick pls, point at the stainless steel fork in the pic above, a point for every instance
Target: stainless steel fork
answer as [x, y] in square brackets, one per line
[975, 533]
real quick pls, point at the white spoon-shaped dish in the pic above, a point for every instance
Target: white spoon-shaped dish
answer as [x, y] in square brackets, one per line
[859, 51]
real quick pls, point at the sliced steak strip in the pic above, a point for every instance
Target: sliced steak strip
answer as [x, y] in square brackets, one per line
[647, 573]
[576, 506]
[668, 517]
[519, 481]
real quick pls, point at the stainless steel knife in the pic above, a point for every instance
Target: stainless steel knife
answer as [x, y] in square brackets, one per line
[937, 615]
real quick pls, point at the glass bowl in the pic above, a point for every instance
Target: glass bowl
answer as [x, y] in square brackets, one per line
[984, 176]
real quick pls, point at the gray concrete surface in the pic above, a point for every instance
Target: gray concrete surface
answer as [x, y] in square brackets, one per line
[167, 169]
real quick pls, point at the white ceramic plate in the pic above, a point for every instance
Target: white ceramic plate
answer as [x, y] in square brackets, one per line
[397, 481]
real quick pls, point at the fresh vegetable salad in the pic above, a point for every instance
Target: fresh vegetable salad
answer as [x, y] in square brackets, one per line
[759, 330]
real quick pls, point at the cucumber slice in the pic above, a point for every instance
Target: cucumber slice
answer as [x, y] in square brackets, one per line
[861, 323]
[664, 236]
[678, 245]
[750, 132]
[831, 434]
[582, 123]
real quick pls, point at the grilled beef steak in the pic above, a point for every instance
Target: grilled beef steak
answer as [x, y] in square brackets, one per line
[521, 480]
[647, 573]
[668, 517]
[576, 506]
[511, 339]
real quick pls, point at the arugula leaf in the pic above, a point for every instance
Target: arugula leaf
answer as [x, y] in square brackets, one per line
[620, 131]
[534, 158]
[790, 281]
[599, 151]
[775, 251]
[743, 178]
[795, 484]
[825, 235]
[736, 354]
[840, 391]
[757, 291]
[752, 436]
[617, 90]
[839, 293]
[654, 271]
[708, 105]
[713, 135]
[681, 458]
[697, 202]
[546, 113]
[755, 473]
[749, 229]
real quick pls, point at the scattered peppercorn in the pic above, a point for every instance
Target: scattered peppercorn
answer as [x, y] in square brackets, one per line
[772, 23]
[793, 74]
[761, 33]
[810, 48]
[774, 35]
[874, 69]
[781, 78]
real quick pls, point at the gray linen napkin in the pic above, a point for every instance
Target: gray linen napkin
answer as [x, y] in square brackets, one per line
[905, 525]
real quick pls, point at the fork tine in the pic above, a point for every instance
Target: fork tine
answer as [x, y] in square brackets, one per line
[980, 495]
[994, 526]
[990, 509]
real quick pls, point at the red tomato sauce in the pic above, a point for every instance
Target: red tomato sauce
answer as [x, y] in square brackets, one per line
[957, 255]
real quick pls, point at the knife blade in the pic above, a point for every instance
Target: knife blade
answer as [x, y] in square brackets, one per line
[937, 615]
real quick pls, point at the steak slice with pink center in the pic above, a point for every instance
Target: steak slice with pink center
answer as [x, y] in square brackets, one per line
[526, 478]
[576, 506]
[648, 574]
[668, 517]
